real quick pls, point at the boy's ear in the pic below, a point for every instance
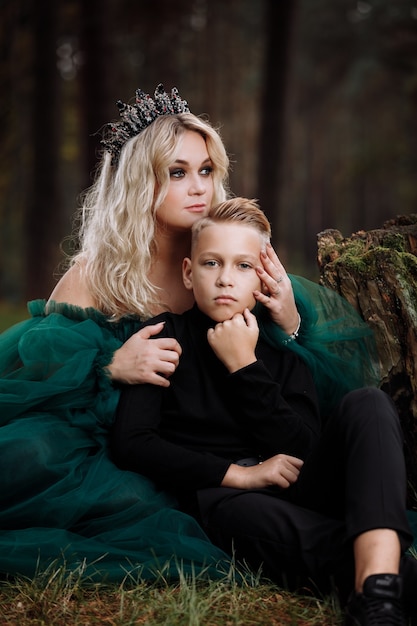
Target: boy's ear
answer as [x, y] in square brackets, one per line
[187, 274]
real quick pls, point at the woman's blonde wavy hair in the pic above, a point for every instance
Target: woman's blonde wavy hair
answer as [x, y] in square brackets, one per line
[117, 218]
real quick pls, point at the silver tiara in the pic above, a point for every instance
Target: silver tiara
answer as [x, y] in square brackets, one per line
[136, 117]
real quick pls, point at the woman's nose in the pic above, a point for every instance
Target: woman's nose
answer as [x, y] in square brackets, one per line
[197, 186]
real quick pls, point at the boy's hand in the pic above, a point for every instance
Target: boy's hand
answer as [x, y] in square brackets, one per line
[281, 470]
[234, 341]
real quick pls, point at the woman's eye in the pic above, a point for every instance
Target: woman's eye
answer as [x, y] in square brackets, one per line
[245, 266]
[206, 171]
[177, 173]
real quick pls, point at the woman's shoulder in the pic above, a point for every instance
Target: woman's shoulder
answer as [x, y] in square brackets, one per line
[72, 288]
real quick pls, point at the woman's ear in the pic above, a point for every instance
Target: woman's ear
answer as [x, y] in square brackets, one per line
[187, 273]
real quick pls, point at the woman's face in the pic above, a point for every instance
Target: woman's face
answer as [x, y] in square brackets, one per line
[190, 191]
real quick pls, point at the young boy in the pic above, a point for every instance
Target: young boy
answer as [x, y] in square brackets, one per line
[236, 436]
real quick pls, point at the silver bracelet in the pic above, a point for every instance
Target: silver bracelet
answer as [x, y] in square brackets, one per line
[293, 335]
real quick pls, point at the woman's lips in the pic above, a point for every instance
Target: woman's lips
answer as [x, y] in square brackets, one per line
[196, 208]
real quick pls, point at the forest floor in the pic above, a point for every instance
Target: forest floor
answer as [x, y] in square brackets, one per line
[56, 601]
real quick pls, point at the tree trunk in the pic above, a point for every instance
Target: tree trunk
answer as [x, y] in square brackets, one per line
[376, 271]
[280, 18]
[43, 219]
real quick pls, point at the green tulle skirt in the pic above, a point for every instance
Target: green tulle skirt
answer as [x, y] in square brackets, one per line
[62, 500]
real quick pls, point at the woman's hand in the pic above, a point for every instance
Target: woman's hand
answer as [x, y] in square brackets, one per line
[233, 341]
[277, 295]
[142, 360]
[281, 470]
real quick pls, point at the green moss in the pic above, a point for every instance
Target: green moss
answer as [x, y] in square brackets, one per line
[357, 257]
[394, 241]
[352, 261]
[410, 262]
[371, 263]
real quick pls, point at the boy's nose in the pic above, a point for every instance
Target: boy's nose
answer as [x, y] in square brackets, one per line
[224, 278]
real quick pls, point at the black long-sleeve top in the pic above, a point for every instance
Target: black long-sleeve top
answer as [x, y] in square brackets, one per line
[185, 436]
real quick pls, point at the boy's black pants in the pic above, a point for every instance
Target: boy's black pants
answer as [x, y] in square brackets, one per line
[354, 481]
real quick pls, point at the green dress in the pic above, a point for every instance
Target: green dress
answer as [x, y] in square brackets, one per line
[62, 500]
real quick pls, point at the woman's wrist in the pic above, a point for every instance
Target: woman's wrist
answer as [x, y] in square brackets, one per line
[293, 336]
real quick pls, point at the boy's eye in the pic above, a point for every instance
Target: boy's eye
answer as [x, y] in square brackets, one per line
[210, 263]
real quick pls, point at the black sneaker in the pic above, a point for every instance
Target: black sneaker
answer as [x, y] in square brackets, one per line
[379, 604]
[408, 571]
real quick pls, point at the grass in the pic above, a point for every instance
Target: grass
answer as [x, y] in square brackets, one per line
[56, 598]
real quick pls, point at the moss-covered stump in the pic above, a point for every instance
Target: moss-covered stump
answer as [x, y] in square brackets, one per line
[376, 271]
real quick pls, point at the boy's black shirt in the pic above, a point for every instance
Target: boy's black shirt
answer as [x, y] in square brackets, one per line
[185, 436]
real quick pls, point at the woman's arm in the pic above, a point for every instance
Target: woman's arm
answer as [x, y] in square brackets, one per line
[141, 360]
[138, 360]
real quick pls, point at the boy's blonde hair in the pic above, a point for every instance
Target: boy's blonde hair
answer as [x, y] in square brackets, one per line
[117, 219]
[234, 211]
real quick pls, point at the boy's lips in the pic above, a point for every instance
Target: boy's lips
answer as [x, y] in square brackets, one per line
[225, 299]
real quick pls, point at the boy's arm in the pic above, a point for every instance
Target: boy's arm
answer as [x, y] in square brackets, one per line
[279, 417]
[280, 413]
[137, 445]
[281, 470]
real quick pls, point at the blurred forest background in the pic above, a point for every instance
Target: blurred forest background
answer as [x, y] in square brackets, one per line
[316, 101]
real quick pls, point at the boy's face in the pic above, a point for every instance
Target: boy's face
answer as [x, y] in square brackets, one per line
[222, 271]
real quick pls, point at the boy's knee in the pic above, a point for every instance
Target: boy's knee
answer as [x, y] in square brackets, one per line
[368, 404]
[366, 396]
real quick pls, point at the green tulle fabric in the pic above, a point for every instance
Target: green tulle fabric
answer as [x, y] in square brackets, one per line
[336, 343]
[62, 500]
